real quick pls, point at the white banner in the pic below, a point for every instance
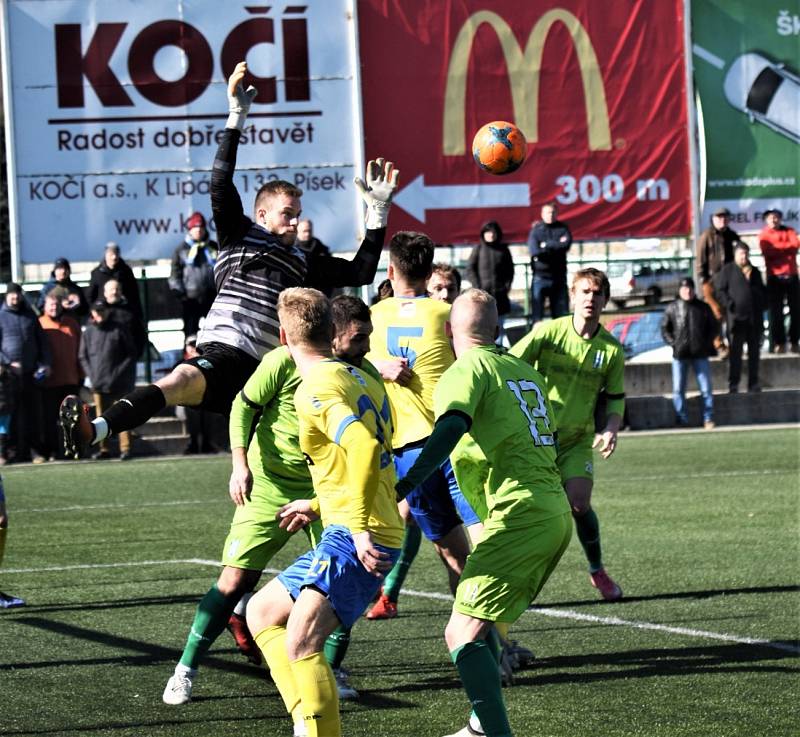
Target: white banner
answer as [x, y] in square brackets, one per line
[114, 110]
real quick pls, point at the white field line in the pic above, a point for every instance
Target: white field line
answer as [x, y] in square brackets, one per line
[557, 613]
[188, 502]
[137, 505]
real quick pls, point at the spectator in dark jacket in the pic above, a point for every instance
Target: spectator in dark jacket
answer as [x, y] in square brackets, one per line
[490, 266]
[108, 356]
[548, 243]
[313, 246]
[121, 310]
[740, 290]
[113, 266]
[73, 300]
[25, 355]
[690, 327]
[191, 277]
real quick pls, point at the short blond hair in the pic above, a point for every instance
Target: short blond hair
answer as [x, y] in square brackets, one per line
[476, 313]
[305, 316]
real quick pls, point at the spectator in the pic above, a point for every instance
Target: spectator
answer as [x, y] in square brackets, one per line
[108, 357]
[113, 266]
[779, 245]
[313, 246]
[73, 300]
[491, 268]
[690, 327]
[191, 278]
[24, 354]
[741, 293]
[63, 336]
[382, 291]
[121, 310]
[549, 242]
[444, 283]
[715, 249]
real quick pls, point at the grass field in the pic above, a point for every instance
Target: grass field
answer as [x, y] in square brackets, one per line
[701, 530]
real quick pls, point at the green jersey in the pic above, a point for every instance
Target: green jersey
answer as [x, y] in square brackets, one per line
[264, 420]
[576, 370]
[512, 423]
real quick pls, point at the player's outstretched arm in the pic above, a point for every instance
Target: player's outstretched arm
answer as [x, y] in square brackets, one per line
[226, 205]
[377, 191]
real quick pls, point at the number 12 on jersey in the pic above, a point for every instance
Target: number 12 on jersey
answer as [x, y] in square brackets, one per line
[536, 415]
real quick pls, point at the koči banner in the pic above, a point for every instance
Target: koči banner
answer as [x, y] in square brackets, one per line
[598, 89]
[116, 108]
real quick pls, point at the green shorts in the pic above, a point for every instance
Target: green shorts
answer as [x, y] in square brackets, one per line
[255, 536]
[510, 564]
[577, 459]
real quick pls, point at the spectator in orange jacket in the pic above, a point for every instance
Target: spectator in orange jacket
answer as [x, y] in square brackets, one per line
[63, 335]
[779, 245]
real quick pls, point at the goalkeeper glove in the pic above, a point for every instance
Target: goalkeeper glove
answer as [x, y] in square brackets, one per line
[239, 99]
[377, 191]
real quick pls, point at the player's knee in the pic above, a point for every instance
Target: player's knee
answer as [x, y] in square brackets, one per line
[580, 507]
[237, 581]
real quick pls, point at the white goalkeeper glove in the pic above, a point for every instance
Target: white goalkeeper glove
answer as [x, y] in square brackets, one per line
[239, 99]
[377, 191]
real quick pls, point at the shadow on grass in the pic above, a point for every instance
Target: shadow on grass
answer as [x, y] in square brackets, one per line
[146, 653]
[676, 595]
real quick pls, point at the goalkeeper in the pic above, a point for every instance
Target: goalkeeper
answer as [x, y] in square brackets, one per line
[257, 259]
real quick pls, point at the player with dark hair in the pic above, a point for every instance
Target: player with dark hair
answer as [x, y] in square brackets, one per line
[344, 433]
[411, 349]
[257, 259]
[501, 402]
[580, 359]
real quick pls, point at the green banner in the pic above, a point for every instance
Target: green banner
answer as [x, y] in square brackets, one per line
[746, 59]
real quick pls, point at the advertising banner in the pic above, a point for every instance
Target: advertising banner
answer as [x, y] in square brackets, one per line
[746, 61]
[598, 89]
[115, 109]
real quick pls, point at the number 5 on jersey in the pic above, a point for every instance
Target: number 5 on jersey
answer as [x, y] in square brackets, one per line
[536, 414]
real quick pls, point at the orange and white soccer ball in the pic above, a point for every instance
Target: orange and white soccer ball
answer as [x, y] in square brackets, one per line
[499, 147]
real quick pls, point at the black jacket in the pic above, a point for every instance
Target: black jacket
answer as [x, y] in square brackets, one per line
[548, 250]
[127, 282]
[108, 356]
[491, 268]
[743, 299]
[689, 327]
[64, 288]
[192, 273]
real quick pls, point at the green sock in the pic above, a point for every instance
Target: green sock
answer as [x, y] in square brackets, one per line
[336, 646]
[210, 618]
[495, 644]
[394, 580]
[588, 528]
[478, 670]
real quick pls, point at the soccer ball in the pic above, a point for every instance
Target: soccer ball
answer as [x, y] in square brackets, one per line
[499, 147]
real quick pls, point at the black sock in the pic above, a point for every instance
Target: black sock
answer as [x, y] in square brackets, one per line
[134, 409]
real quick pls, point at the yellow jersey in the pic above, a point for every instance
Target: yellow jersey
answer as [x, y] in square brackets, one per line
[329, 399]
[412, 328]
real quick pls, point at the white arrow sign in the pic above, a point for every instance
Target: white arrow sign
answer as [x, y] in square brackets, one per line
[416, 198]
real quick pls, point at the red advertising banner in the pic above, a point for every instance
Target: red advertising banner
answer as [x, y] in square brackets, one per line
[597, 88]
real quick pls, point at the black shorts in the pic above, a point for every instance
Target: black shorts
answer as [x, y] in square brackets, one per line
[226, 370]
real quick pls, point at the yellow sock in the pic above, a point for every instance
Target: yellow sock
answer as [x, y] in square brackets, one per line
[502, 630]
[272, 643]
[318, 695]
[3, 531]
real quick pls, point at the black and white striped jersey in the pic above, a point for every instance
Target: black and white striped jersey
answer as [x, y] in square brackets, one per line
[253, 266]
